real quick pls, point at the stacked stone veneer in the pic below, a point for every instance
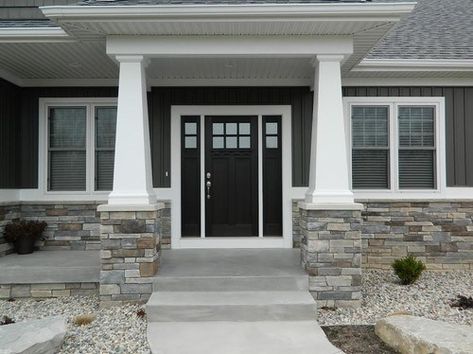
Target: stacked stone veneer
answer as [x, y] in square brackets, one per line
[331, 254]
[8, 213]
[439, 233]
[130, 242]
[50, 290]
[71, 225]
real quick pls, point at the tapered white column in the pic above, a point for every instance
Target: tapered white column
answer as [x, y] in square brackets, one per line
[132, 180]
[329, 172]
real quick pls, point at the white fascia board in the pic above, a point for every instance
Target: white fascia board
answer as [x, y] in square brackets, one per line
[392, 81]
[235, 46]
[33, 34]
[369, 65]
[334, 12]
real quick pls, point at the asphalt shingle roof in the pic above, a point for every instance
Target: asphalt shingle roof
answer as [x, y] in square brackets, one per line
[436, 29]
[26, 23]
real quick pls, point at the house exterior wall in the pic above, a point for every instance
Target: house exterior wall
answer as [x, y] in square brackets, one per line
[19, 167]
[440, 233]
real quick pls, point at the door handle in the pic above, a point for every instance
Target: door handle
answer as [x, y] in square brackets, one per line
[208, 184]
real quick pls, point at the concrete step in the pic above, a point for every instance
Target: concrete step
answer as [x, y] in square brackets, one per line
[173, 306]
[232, 283]
[274, 337]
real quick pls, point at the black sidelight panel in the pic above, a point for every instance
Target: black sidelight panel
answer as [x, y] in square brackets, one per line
[272, 176]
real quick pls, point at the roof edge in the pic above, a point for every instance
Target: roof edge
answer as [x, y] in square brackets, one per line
[387, 11]
[414, 65]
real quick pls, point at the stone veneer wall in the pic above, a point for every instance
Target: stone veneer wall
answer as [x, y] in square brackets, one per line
[49, 290]
[130, 242]
[8, 212]
[71, 225]
[440, 233]
[331, 255]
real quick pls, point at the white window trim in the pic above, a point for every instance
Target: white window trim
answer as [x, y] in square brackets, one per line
[90, 104]
[440, 144]
[174, 192]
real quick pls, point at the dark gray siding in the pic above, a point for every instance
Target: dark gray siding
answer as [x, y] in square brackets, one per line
[300, 99]
[9, 135]
[459, 124]
[29, 124]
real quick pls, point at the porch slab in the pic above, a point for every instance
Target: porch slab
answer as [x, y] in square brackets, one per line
[231, 262]
[43, 267]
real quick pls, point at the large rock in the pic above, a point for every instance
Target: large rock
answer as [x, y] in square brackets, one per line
[43, 336]
[417, 335]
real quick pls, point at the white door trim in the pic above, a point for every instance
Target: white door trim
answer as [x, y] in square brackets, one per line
[231, 242]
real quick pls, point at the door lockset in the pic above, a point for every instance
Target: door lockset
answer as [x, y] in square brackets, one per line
[208, 184]
[208, 175]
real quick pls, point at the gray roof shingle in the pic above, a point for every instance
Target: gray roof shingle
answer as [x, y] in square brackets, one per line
[26, 23]
[436, 29]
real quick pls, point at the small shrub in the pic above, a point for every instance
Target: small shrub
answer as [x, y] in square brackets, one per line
[6, 320]
[408, 269]
[462, 302]
[141, 313]
[83, 320]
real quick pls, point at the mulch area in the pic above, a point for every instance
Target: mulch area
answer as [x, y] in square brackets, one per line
[356, 340]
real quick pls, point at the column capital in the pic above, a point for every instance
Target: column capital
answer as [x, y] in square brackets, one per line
[327, 58]
[133, 59]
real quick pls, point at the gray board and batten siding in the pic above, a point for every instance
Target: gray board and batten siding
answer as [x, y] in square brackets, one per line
[19, 124]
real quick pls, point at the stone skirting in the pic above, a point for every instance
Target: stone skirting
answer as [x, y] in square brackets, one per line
[439, 233]
[52, 290]
[130, 242]
[8, 212]
[331, 254]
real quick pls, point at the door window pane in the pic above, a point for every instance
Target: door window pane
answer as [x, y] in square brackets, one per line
[231, 142]
[271, 128]
[271, 142]
[244, 129]
[245, 142]
[217, 128]
[67, 149]
[230, 128]
[190, 142]
[190, 128]
[218, 142]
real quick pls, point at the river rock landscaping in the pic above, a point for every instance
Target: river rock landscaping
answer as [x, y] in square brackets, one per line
[122, 329]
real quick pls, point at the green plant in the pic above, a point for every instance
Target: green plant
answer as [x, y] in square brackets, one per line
[408, 269]
[6, 320]
[24, 229]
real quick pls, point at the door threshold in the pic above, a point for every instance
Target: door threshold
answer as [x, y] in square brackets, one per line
[233, 242]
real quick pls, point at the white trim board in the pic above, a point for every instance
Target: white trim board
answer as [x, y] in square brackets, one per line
[174, 193]
[89, 104]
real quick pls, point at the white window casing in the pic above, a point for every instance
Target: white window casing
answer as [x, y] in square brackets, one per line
[90, 105]
[393, 104]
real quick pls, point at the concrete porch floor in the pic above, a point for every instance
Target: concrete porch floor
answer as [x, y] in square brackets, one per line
[43, 267]
[230, 262]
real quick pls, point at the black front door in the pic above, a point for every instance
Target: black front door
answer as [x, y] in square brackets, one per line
[231, 176]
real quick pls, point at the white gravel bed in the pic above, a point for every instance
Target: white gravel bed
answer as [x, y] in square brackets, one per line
[115, 330]
[429, 297]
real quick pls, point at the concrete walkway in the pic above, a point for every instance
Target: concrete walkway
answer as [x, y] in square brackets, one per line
[50, 267]
[234, 302]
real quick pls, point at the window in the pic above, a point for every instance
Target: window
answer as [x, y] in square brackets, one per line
[370, 152]
[231, 135]
[395, 143]
[80, 140]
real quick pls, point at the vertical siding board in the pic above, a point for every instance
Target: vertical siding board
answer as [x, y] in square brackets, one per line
[468, 135]
[450, 137]
[459, 135]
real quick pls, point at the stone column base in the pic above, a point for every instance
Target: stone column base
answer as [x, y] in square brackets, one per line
[130, 240]
[331, 254]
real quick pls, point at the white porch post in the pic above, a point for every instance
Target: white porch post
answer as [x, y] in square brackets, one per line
[329, 172]
[132, 180]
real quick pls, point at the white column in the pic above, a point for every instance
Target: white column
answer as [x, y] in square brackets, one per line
[329, 173]
[132, 180]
